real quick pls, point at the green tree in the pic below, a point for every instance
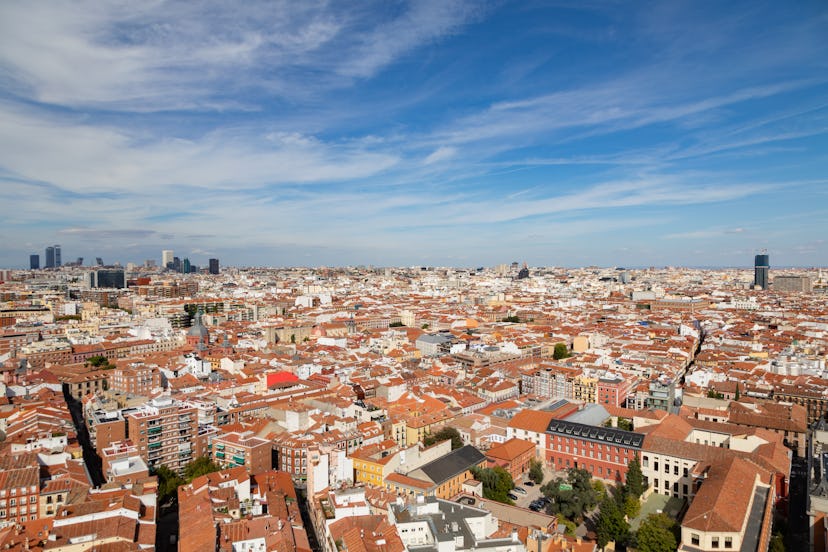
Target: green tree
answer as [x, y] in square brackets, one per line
[200, 466]
[572, 496]
[496, 483]
[513, 319]
[536, 471]
[632, 506]
[657, 533]
[777, 544]
[570, 525]
[634, 484]
[168, 483]
[97, 360]
[738, 394]
[712, 394]
[610, 524]
[561, 351]
[396, 324]
[625, 424]
[600, 489]
[444, 434]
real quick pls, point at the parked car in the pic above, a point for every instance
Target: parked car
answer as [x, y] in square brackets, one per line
[529, 483]
[520, 490]
[512, 496]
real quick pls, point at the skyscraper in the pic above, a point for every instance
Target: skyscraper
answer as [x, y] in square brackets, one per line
[50, 257]
[214, 266]
[34, 262]
[166, 257]
[186, 265]
[761, 266]
[57, 256]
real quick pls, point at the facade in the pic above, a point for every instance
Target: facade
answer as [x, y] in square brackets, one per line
[613, 389]
[441, 478]
[19, 495]
[135, 379]
[214, 266]
[50, 258]
[166, 258]
[514, 456]
[761, 267]
[34, 262]
[164, 432]
[107, 278]
[793, 283]
[239, 449]
[604, 452]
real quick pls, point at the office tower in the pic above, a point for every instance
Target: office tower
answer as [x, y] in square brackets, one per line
[34, 262]
[50, 257]
[57, 256]
[79, 262]
[98, 261]
[166, 258]
[176, 264]
[214, 266]
[107, 278]
[186, 265]
[761, 266]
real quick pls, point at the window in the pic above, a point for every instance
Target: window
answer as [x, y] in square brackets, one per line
[675, 469]
[666, 468]
[685, 472]
[728, 542]
[694, 539]
[714, 542]
[655, 465]
[645, 461]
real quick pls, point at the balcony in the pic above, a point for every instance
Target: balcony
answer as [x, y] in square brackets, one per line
[219, 455]
[238, 459]
[155, 430]
[155, 445]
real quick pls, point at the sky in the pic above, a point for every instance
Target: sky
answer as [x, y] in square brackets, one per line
[431, 132]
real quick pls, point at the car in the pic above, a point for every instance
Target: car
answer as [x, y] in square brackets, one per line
[512, 496]
[529, 483]
[535, 507]
[520, 490]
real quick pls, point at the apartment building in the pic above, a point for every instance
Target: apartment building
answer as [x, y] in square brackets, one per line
[163, 431]
[233, 449]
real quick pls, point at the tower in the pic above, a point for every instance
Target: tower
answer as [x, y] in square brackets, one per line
[761, 266]
[214, 266]
[50, 258]
[34, 262]
[166, 257]
[57, 256]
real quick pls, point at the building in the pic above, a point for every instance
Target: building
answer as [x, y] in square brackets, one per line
[167, 258]
[793, 283]
[604, 452]
[19, 492]
[57, 256]
[234, 449]
[107, 278]
[613, 389]
[186, 266]
[441, 478]
[434, 524]
[34, 262]
[50, 257]
[761, 266]
[514, 456]
[135, 379]
[214, 266]
[164, 433]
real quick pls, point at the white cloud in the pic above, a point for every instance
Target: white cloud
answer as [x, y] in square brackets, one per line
[440, 154]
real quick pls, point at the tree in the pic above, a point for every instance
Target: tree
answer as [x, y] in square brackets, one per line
[712, 394]
[610, 525]
[444, 434]
[513, 319]
[536, 471]
[625, 424]
[200, 466]
[632, 506]
[657, 533]
[396, 325]
[560, 351]
[777, 544]
[634, 484]
[573, 496]
[738, 394]
[496, 483]
[168, 483]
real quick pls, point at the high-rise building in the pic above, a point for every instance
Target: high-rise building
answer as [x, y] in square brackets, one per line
[186, 266]
[793, 283]
[214, 266]
[50, 257]
[166, 258]
[98, 261]
[761, 266]
[107, 278]
[34, 262]
[176, 264]
[57, 256]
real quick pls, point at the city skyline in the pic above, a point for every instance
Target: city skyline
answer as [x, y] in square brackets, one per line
[431, 133]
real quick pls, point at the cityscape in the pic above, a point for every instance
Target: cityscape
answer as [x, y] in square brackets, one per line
[413, 276]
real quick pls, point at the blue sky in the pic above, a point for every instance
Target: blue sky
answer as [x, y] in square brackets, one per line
[431, 132]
